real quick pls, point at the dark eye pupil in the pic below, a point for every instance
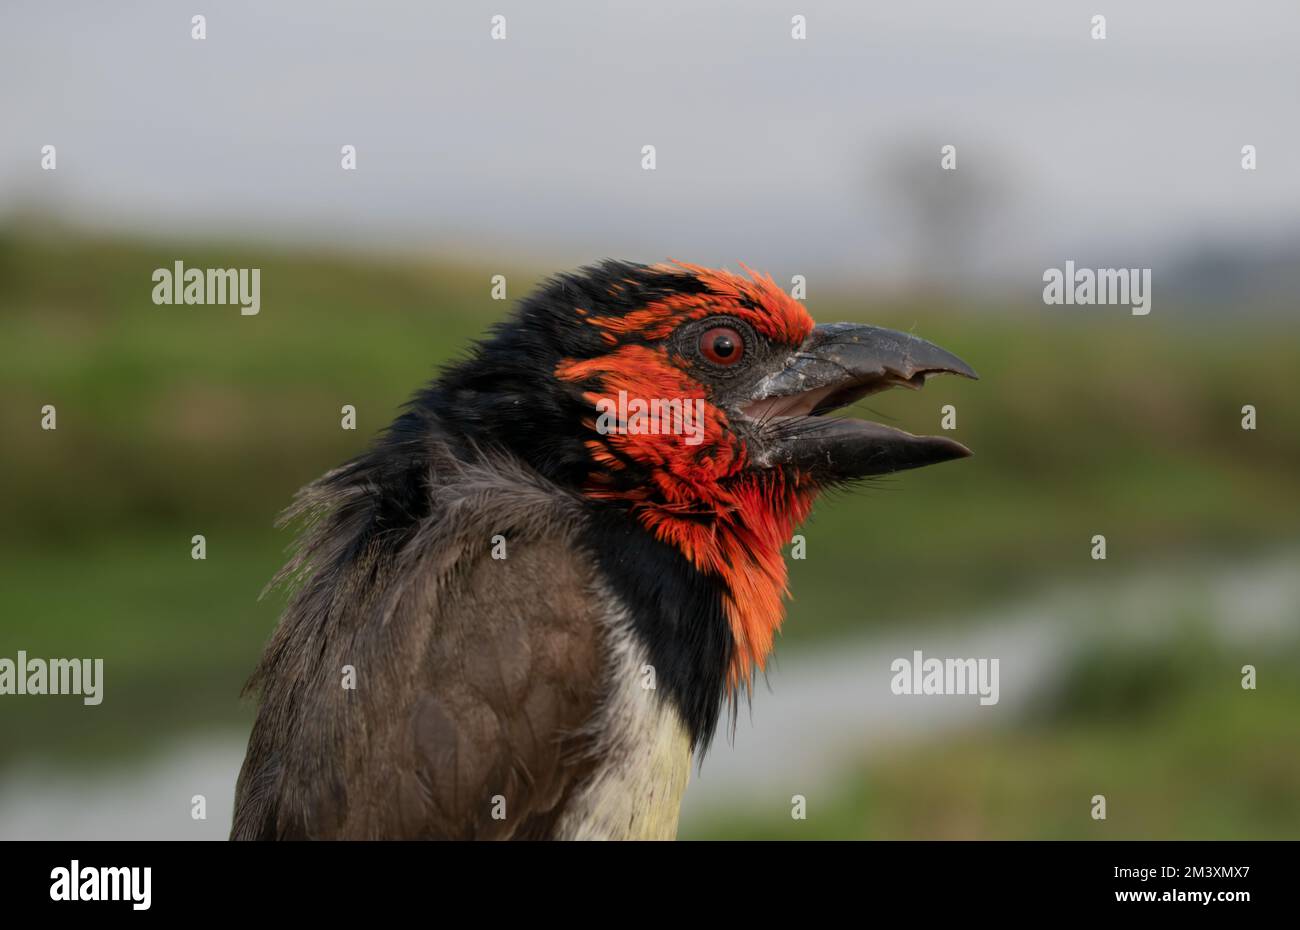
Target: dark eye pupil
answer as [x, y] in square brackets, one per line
[722, 346]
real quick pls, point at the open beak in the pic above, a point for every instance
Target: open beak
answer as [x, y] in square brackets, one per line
[836, 365]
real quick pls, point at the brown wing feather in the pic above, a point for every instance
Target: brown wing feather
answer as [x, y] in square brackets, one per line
[474, 676]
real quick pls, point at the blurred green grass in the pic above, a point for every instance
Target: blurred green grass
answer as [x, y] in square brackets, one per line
[1164, 731]
[180, 420]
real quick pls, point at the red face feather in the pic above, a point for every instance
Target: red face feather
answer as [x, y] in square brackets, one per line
[729, 522]
[757, 300]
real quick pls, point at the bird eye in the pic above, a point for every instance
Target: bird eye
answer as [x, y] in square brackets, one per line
[722, 345]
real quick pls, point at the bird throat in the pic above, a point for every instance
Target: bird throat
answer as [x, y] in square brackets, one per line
[699, 494]
[736, 536]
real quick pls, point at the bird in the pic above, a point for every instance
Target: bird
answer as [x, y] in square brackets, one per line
[522, 611]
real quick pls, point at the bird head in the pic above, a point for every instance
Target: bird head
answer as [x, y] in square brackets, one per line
[693, 403]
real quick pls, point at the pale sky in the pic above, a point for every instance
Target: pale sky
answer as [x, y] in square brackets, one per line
[770, 151]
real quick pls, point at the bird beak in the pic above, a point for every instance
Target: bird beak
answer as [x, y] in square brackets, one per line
[836, 365]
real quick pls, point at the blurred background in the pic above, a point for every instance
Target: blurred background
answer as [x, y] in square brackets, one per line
[818, 158]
